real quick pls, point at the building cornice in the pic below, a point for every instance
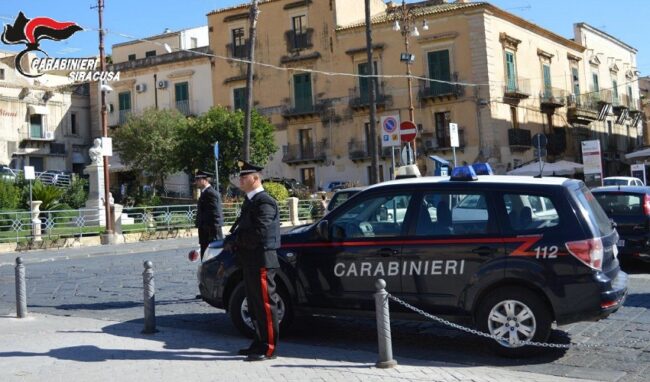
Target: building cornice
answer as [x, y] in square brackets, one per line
[606, 36]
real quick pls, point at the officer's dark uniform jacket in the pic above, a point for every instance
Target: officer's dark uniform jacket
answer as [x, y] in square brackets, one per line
[209, 216]
[257, 232]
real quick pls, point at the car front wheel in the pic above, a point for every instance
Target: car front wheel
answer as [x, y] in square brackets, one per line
[513, 316]
[241, 318]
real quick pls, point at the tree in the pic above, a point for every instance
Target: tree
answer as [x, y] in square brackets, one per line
[146, 143]
[195, 150]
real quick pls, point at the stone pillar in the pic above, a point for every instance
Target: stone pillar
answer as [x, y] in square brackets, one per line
[293, 211]
[95, 202]
[116, 212]
[36, 221]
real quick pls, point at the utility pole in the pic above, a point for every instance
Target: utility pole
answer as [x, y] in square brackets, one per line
[372, 80]
[104, 119]
[254, 13]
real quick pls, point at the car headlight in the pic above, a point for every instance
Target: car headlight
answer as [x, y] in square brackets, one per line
[211, 253]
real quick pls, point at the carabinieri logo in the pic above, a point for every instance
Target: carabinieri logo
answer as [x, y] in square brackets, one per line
[31, 31]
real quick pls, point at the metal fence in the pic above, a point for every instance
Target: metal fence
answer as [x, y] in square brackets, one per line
[19, 226]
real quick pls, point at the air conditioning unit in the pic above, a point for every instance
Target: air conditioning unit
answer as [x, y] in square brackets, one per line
[48, 135]
[140, 88]
[431, 143]
[162, 84]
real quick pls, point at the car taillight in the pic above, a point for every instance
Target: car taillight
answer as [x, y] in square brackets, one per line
[646, 204]
[193, 255]
[590, 252]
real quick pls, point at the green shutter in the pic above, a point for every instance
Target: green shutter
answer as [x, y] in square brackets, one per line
[363, 83]
[181, 91]
[439, 69]
[239, 98]
[124, 100]
[548, 93]
[615, 92]
[595, 78]
[302, 92]
[511, 74]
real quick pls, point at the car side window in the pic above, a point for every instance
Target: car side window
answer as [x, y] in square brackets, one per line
[531, 213]
[442, 214]
[375, 216]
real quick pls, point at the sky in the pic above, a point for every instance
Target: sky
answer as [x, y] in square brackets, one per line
[626, 20]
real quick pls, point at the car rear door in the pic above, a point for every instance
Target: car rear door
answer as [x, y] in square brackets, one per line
[450, 248]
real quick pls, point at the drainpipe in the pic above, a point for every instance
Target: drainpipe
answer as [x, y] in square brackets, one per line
[155, 90]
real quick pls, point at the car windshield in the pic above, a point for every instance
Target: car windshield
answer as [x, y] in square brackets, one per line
[339, 198]
[620, 204]
[593, 211]
[615, 182]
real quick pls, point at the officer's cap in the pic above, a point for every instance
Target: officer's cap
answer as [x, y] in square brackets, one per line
[200, 174]
[247, 168]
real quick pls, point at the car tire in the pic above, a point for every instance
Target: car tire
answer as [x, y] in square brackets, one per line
[515, 314]
[238, 310]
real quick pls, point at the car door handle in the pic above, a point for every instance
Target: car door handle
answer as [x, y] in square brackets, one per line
[484, 251]
[385, 252]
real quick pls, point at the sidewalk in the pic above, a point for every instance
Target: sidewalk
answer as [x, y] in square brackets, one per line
[44, 347]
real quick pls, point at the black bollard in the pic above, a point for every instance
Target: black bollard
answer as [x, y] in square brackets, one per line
[149, 299]
[386, 360]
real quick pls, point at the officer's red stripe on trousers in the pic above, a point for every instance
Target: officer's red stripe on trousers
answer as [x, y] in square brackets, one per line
[267, 310]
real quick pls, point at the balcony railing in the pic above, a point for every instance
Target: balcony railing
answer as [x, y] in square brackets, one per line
[360, 100]
[431, 90]
[517, 88]
[184, 107]
[238, 51]
[519, 139]
[296, 153]
[297, 41]
[552, 97]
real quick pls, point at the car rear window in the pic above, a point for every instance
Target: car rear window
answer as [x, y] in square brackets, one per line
[620, 204]
[592, 211]
[615, 182]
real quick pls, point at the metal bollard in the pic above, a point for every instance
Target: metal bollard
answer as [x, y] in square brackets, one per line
[386, 360]
[21, 289]
[149, 299]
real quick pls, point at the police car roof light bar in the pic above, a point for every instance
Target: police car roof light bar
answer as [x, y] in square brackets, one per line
[463, 173]
[482, 169]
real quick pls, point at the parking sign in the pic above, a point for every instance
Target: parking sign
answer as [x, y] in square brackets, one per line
[390, 131]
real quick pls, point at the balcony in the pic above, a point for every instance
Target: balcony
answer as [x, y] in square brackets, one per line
[298, 41]
[436, 144]
[360, 101]
[626, 102]
[583, 109]
[184, 107]
[516, 89]
[431, 91]
[238, 51]
[303, 111]
[552, 98]
[519, 139]
[297, 154]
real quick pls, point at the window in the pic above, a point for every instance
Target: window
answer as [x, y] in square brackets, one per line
[442, 129]
[511, 72]
[2, 74]
[124, 101]
[439, 69]
[615, 92]
[73, 123]
[365, 82]
[302, 92]
[194, 42]
[530, 212]
[306, 143]
[576, 81]
[238, 43]
[38, 163]
[375, 216]
[594, 83]
[298, 24]
[239, 98]
[131, 57]
[36, 126]
[629, 97]
[182, 97]
[150, 53]
[452, 214]
[546, 73]
[620, 203]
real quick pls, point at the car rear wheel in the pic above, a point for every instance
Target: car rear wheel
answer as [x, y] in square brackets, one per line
[241, 318]
[514, 315]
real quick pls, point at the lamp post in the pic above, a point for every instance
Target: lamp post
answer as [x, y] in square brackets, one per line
[405, 23]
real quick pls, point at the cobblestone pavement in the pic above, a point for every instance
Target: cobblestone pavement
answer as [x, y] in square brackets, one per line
[106, 283]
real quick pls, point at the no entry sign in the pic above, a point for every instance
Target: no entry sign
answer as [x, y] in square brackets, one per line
[407, 131]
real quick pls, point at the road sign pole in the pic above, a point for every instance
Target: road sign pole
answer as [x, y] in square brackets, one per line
[216, 166]
[392, 164]
[539, 155]
[453, 149]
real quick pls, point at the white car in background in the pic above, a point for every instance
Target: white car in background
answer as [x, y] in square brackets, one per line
[622, 181]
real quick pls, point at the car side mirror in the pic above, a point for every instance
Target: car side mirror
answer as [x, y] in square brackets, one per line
[322, 228]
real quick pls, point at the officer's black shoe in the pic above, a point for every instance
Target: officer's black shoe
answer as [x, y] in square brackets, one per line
[259, 357]
[246, 351]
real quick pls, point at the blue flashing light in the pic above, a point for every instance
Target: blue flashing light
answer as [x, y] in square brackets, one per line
[463, 173]
[482, 169]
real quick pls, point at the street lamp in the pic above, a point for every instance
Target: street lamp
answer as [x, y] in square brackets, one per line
[405, 23]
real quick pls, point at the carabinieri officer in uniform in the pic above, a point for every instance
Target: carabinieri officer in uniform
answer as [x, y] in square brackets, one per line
[256, 238]
[209, 213]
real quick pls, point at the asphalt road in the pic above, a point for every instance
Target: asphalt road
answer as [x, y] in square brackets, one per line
[106, 283]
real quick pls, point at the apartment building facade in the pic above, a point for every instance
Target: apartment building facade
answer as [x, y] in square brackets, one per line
[175, 74]
[44, 122]
[501, 78]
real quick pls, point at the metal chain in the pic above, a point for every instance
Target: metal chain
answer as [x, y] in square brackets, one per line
[499, 339]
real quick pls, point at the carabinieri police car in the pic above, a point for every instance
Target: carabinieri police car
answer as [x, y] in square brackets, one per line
[509, 255]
